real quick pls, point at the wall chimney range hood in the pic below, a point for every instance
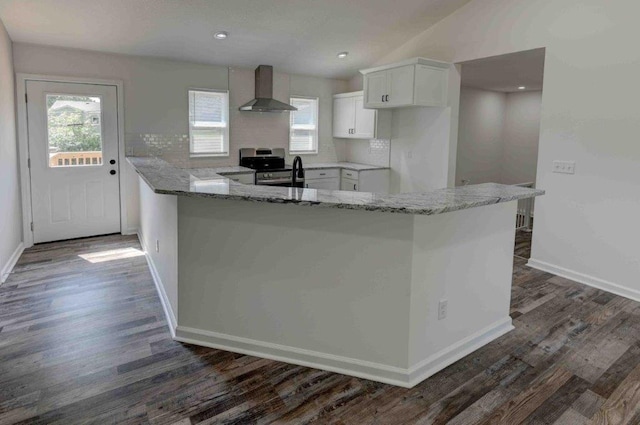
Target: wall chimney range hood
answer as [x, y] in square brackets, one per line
[264, 101]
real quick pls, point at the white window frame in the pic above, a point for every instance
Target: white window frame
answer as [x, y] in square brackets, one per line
[314, 149]
[225, 110]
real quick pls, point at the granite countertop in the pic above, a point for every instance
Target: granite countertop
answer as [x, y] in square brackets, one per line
[164, 178]
[223, 171]
[345, 165]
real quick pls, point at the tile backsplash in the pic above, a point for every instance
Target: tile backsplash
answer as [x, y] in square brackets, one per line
[374, 151]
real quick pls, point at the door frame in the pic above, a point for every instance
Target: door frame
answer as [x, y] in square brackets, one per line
[23, 144]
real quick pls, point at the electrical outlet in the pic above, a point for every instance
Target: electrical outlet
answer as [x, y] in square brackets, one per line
[410, 154]
[564, 167]
[157, 245]
[442, 309]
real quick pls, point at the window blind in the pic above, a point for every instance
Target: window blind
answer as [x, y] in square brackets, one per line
[303, 134]
[208, 122]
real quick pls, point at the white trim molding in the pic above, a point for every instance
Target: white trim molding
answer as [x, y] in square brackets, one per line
[164, 300]
[402, 377]
[435, 363]
[11, 263]
[585, 279]
[23, 143]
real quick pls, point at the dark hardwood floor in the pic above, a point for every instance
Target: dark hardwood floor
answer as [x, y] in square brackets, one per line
[84, 340]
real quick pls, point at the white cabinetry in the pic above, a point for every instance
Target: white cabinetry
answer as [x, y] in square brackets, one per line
[365, 181]
[328, 179]
[246, 178]
[352, 121]
[415, 82]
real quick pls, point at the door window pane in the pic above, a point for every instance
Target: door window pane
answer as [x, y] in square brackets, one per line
[74, 126]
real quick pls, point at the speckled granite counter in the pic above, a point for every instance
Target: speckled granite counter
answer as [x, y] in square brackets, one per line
[343, 165]
[164, 178]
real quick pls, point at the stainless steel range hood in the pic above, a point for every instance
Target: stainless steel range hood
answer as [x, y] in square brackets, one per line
[264, 101]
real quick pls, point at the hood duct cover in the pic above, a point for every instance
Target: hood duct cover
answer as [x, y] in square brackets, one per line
[264, 101]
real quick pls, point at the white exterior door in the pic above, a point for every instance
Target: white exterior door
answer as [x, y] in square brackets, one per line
[73, 152]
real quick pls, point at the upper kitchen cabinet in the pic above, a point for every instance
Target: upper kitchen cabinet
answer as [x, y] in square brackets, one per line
[415, 82]
[352, 121]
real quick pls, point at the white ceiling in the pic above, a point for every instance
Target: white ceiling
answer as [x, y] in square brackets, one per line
[296, 36]
[505, 73]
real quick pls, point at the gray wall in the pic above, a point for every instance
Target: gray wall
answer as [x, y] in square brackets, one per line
[10, 206]
[498, 136]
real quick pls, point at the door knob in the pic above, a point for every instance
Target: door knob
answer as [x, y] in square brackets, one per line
[112, 172]
[113, 161]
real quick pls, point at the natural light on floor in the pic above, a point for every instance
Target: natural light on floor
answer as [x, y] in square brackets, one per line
[114, 254]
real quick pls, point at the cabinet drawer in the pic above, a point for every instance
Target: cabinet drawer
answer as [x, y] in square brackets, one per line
[350, 174]
[242, 178]
[322, 174]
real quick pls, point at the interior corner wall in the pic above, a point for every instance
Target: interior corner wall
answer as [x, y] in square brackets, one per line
[10, 198]
[480, 136]
[589, 115]
[498, 136]
[520, 137]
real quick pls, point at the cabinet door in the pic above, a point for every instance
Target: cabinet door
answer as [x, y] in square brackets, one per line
[365, 127]
[401, 84]
[431, 86]
[343, 116]
[325, 184]
[376, 89]
[349, 185]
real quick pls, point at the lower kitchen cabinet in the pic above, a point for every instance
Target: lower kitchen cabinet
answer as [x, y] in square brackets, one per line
[327, 179]
[248, 178]
[365, 181]
[349, 180]
[349, 185]
[326, 184]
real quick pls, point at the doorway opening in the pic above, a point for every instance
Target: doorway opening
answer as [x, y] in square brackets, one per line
[499, 127]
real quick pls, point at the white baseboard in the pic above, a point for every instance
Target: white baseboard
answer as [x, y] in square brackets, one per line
[131, 231]
[166, 305]
[11, 263]
[402, 377]
[585, 279]
[435, 363]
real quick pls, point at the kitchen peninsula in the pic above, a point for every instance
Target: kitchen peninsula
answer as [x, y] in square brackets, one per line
[391, 288]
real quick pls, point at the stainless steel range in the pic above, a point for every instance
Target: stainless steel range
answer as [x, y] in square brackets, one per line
[270, 167]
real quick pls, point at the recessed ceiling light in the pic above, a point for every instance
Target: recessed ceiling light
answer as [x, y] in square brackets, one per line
[343, 55]
[221, 35]
[521, 88]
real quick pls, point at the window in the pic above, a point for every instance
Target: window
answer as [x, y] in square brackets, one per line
[73, 128]
[303, 131]
[209, 123]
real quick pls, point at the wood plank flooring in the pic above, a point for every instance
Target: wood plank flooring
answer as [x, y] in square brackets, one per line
[84, 340]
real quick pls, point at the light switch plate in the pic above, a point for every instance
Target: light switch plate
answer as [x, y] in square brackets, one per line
[564, 167]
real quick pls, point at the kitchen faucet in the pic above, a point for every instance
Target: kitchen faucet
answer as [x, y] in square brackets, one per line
[297, 179]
